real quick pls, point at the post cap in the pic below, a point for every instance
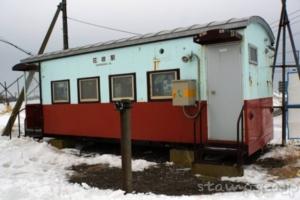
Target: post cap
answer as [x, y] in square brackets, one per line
[123, 104]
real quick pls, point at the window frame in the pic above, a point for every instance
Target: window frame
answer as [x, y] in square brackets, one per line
[52, 92]
[253, 62]
[149, 84]
[110, 78]
[79, 90]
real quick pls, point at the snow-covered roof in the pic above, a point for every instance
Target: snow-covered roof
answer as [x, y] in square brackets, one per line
[232, 23]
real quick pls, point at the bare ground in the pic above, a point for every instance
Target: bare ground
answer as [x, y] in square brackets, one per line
[161, 179]
[283, 166]
[175, 180]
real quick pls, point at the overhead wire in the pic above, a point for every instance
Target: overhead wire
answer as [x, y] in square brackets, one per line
[275, 29]
[290, 20]
[102, 27]
[16, 46]
[290, 14]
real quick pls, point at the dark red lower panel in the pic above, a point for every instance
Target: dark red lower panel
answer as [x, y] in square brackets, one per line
[155, 121]
[34, 116]
[258, 123]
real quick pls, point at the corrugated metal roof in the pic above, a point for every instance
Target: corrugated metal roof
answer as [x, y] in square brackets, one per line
[232, 23]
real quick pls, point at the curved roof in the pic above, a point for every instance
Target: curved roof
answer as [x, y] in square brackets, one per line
[181, 32]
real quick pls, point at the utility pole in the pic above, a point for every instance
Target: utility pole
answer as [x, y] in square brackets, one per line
[284, 25]
[65, 24]
[13, 116]
[50, 29]
[124, 107]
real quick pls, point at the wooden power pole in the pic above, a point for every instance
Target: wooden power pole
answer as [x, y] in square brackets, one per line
[61, 7]
[65, 24]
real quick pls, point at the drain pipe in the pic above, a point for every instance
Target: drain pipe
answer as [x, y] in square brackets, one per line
[193, 55]
[186, 59]
[194, 117]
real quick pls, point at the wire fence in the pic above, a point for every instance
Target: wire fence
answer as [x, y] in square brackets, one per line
[10, 92]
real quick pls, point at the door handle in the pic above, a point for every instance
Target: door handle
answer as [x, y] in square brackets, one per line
[213, 92]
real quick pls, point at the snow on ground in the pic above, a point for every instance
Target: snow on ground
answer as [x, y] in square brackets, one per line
[277, 99]
[37, 170]
[31, 170]
[277, 130]
[5, 112]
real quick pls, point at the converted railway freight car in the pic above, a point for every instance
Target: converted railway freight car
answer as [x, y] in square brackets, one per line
[228, 62]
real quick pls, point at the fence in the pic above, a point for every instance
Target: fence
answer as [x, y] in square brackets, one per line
[9, 93]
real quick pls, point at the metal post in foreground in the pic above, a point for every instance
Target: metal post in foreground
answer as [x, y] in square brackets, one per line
[6, 95]
[124, 107]
[19, 120]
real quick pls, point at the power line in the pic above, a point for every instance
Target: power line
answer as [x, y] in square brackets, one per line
[290, 20]
[101, 26]
[290, 14]
[294, 22]
[291, 51]
[297, 33]
[294, 17]
[15, 46]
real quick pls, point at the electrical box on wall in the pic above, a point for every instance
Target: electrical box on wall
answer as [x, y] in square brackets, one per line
[184, 92]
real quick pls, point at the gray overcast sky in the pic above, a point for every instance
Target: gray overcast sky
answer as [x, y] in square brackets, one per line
[26, 22]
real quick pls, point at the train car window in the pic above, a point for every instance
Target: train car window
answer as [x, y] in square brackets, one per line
[60, 91]
[253, 57]
[160, 84]
[122, 87]
[88, 90]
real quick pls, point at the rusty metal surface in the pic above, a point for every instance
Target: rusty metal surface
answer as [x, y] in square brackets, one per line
[217, 36]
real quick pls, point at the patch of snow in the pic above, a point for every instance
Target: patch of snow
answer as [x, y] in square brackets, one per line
[4, 117]
[111, 160]
[277, 137]
[283, 152]
[268, 187]
[30, 170]
[252, 174]
[33, 170]
[277, 99]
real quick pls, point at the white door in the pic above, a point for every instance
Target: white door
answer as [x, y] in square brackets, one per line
[225, 94]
